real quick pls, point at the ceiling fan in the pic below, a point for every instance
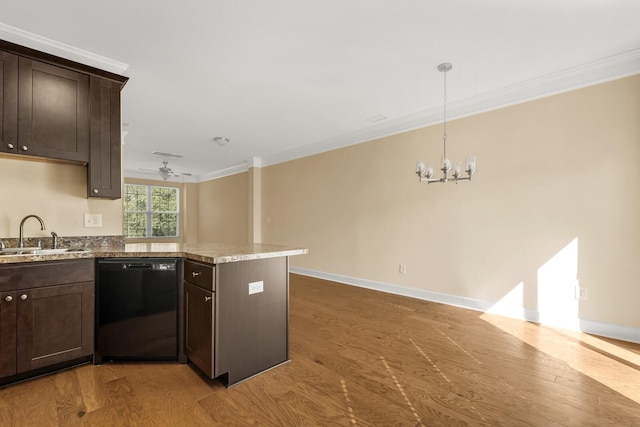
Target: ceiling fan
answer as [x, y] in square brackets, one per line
[166, 172]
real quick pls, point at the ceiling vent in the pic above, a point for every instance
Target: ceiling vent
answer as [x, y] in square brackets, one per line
[173, 156]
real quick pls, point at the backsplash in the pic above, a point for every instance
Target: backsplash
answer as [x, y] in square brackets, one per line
[88, 242]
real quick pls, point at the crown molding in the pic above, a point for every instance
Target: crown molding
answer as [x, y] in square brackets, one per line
[43, 44]
[254, 162]
[600, 71]
[233, 170]
[243, 167]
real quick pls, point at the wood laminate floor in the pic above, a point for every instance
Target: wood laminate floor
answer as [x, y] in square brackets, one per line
[363, 358]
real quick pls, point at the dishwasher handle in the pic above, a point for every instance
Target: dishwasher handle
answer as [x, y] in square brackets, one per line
[137, 266]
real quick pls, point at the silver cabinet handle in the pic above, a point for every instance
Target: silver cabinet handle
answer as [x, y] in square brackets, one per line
[95, 191]
[195, 273]
[207, 299]
[10, 146]
[8, 298]
[25, 148]
[23, 297]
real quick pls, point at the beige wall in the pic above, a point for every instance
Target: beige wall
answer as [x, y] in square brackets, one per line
[223, 212]
[191, 210]
[58, 194]
[549, 172]
[254, 204]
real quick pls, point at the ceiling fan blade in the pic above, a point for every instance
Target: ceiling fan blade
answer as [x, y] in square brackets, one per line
[165, 169]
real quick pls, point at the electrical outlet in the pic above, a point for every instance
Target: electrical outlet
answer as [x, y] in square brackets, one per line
[92, 220]
[581, 292]
[256, 287]
[402, 269]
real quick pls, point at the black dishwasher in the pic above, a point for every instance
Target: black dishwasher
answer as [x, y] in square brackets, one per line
[136, 309]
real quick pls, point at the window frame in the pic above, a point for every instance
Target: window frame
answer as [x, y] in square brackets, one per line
[148, 212]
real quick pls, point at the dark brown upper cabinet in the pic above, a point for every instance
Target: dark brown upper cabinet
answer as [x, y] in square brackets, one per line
[54, 108]
[53, 111]
[104, 172]
[8, 102]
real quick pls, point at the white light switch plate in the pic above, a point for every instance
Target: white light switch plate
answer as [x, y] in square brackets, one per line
[92, 220]
[256, 287]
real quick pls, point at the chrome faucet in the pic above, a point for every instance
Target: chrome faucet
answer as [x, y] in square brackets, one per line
[21, 241]
[55, 239]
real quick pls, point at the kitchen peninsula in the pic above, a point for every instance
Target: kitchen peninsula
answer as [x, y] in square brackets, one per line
[213, 253]
[232, 300]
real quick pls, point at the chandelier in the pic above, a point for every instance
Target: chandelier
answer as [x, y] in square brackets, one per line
[425, 173]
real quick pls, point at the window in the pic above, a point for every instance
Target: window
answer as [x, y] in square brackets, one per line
[150, 211]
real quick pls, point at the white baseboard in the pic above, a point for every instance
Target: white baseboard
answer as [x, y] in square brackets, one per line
[609, 330]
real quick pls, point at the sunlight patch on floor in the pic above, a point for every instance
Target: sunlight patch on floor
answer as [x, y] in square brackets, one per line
[347, 399]
[423, 354]
[401, 390]
[558, 307]
[619, 352]
[462, 349]
[601, 362]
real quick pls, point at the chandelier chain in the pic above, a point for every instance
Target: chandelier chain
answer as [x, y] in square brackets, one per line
[444, 108]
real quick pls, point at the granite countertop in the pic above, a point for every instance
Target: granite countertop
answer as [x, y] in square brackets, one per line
[213, 253]
[19, 258]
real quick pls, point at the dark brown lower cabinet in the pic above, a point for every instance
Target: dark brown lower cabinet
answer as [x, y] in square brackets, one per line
[8, 320]
[55, 324]
[199, 327]
[48, 316]
[236, 317]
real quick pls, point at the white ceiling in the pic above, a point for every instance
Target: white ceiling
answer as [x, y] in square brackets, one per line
[287, 78]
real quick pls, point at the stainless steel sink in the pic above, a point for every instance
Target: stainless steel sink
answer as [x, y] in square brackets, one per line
[58, 251]
[39, 251]
[13, 251]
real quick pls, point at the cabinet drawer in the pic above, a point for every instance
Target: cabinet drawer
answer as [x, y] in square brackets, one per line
[33, 275]
[200, 274]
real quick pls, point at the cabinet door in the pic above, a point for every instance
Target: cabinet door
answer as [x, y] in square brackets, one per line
[8, 305]
[105, 174]
[55, 324]
[8, 102]
[199, 327]
[53, 111]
